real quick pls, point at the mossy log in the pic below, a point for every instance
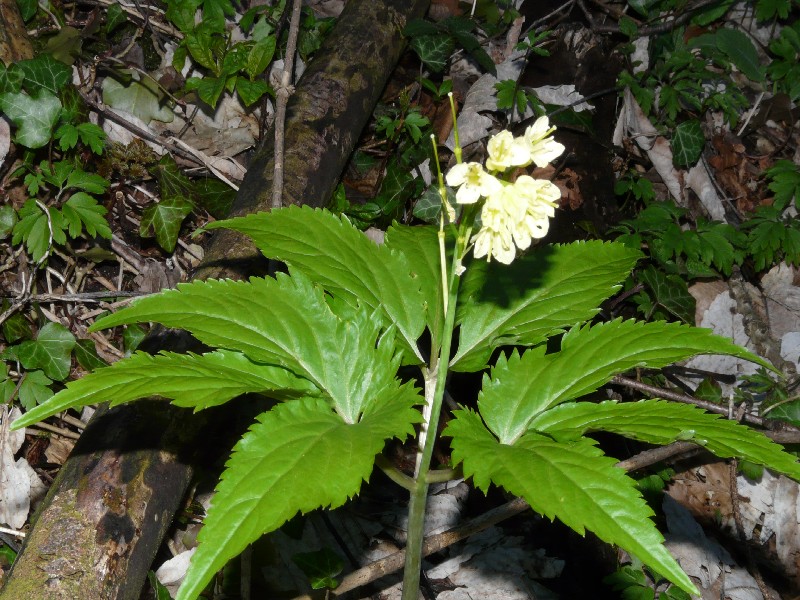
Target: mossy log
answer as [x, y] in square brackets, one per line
[103, 520]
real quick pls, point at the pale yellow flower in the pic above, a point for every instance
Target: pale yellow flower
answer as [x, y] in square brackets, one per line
[539, 197]
[543, 149]
[472, 182]
[513, 216]
[507, 151]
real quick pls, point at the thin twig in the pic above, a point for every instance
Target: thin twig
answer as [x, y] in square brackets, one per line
[282, 98]
[83, 297]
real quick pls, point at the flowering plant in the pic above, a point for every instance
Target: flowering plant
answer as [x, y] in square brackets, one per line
[327, 342]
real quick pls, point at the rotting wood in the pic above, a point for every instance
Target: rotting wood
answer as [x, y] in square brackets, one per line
[14, 42]
[102, 522]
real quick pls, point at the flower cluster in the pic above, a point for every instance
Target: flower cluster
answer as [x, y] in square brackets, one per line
[513, 213]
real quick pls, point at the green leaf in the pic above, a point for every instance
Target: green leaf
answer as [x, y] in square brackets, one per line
[251, 91]
[321, 567]
[534, 297]
[687, 143]
[33, 228]
[195, 381]
[34, 389]
[80, 211]
[785, 182]
[33, 115]
[181, 12]
[473, 47]
[86, 354]
[660, 422]
[65, 46]
[115, 17]
[92, 136]
[284, 321]
[434, 50]
[573, 482]
[214, 196]
[88, 182]
[50, 351]
[671, 292]
[420, 27]
[208, 88]
[739, 48]
[10, 79]
[162, 593]
[15, 327]
[343, 260]
[521, 388]
[420, 245]
[163, 220]
[44, 73]
[143, 99]
[199, 45]
[274, 472]
[8, 218]
[67, 136]
[27, 9]
[132, 336]
[429, 206]
[260, 56]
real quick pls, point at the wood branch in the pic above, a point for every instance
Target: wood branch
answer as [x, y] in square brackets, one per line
[104, 518]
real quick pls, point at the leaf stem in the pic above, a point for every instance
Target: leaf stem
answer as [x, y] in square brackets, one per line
[437, 379]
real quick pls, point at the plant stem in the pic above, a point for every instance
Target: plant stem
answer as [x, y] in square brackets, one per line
[439, 368]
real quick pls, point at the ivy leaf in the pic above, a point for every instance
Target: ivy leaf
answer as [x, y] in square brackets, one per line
[80, 211]
[44, 73]
[115, 17]
[434, 50]
[10, 79]
[196, 381]
[214, 196]
[688, 143]
[34, 389]
[85, 353]
[321, 567]
[163, 220]
[50, 351]
[534, 297]
[33, 115]
[343, 260]
[671, 292]
[429, 206]
[660, 422]
[521, 387]
[284, 321]
[573, 482]
[8, 218]
[143, 99]
[274, 472]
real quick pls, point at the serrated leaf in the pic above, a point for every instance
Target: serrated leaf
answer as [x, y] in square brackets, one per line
[739, 48]
[44, 73]
[195, 381]
[283, 321]
[420, 245]
[522, 387]
[81, 210]
[660, 422]
[88, 182]
[671, 292]
[50, 351]
[34, 229]
[274, 472]
[33, 115]
[687, 143]
[141, 98]
[34, 389]
[163, 220]
[343, 260]
[92, 136]
[434, 50]
[534, 297]
[573, 482]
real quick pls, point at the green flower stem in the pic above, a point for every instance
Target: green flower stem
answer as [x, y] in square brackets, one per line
[438, 368]
[395, 474]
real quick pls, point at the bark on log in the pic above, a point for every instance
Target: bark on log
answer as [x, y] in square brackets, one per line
[100, 526]
[14, 42]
